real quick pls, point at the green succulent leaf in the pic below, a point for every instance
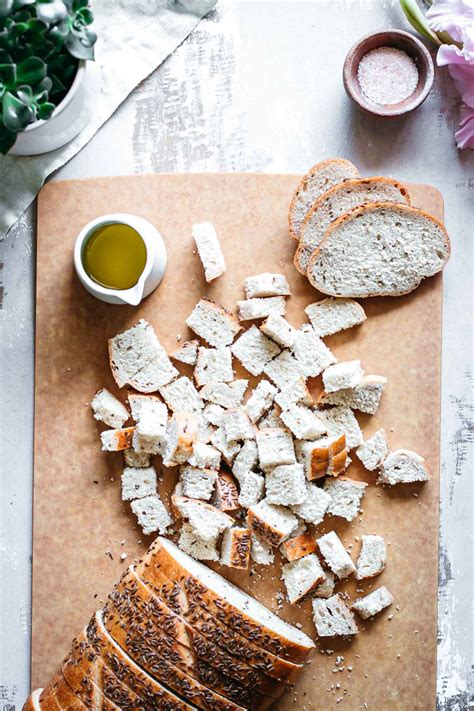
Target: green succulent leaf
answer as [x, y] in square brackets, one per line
[45, 110]
[25, 94]
[80, 43]
[8, 75]
[58, 33]
[31, 70]
[16, 115]
[51, 11]
[41, 42]
[44, 85]
[7, 139]
[58, 87]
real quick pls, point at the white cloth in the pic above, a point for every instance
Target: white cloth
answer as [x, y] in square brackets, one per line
[134, 37]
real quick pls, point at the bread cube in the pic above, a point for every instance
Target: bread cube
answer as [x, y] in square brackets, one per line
[302, 577]
[235, 548]
[341, 376]
[152, 514]
[138, 482]
[279, 330]
[335, 555]
[332, 617]
[373, 603]
[286, 485]
[275, 447]
[108, 409]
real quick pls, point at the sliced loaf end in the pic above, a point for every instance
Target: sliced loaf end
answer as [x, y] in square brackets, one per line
[321, 177]
[380, 249]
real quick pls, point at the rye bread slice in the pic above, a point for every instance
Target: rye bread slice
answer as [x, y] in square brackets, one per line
[168, 662]
[318, 179]
[228, 603]
[132, 599]
[222, 635]
[133, 628]
[32, 703]
[63, 695]
[379, 250]
[48, 701]
[86, 674]
[152, 693]
[336, 202]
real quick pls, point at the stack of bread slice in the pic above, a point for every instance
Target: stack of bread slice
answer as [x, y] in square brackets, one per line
[361, 236]
[176, 636]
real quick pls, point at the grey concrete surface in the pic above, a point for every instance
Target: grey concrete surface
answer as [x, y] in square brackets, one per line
[257, 87]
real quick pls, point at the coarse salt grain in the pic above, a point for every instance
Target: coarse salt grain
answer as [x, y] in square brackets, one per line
[387, 75]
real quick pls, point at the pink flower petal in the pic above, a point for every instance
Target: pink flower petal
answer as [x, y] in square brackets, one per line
[463, 77]
[465, 134]
[450, 54]
[451, 16]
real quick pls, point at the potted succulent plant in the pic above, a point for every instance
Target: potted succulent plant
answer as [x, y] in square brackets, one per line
[44, 45]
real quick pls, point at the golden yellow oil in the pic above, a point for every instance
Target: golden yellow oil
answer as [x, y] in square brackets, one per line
[115, 256]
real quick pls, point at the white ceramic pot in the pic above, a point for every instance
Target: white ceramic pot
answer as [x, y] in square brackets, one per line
[67, 120]
[155, 266]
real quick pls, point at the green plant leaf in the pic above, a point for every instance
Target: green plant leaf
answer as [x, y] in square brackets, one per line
[16, 116]
[79, 4]
[80, 43]
[58, 87]
[45, 110]
[5, 58]
[44, 85]
[31, 71]
[417, 20]
[86, 16]
[58, 33]
[25, 94]
[8, 75]
[51, 11]
[7, 139]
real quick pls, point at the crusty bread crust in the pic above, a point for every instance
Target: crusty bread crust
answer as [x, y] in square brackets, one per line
[64, 695]
[359, 211]
[152, 693]
[32, 702]
[302, 185]
[158, 560]
[299, 546]
[172, 663]
[226, 494]
[87, 675]
[332, 191]
[212, 628]
[239, 556]
[48, 700]
[132, 597]
[263, 529]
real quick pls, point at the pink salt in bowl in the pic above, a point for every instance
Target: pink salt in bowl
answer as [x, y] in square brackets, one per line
[399, 40]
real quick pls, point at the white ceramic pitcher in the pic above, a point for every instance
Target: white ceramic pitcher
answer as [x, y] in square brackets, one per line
[155, 265]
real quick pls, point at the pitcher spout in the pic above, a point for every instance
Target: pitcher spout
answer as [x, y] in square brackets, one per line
[132, 296]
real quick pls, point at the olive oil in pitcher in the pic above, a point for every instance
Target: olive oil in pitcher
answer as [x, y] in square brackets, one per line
[115, 256]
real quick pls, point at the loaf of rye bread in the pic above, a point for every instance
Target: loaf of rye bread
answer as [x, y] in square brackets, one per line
[176, 636]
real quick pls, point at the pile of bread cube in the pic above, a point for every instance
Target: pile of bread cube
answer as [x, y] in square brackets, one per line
[256, 469]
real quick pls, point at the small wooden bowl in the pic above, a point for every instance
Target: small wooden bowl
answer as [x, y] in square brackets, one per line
[390, 38]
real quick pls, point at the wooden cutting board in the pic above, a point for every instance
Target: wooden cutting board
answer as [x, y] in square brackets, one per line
[81, 527]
